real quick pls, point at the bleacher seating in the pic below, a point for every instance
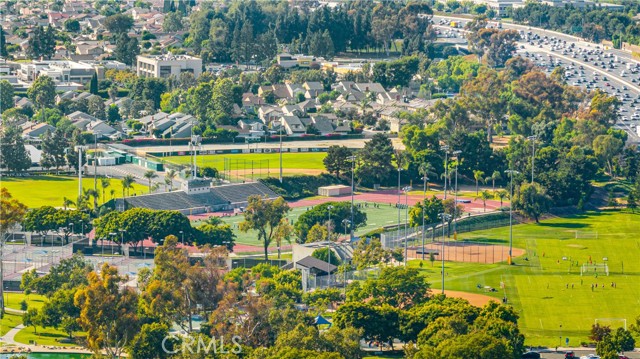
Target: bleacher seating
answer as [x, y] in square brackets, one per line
[238, 193]
[234, 195]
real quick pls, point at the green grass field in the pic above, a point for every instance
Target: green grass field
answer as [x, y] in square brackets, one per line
[553, 299]
[12, 300]
[39, 191]
[44, 336]
[376, 218]
[9, 321]
[240, 162]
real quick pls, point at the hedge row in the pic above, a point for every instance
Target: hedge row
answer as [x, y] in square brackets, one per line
[300, 186]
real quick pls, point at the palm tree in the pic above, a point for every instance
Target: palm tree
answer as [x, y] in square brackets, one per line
[104, 183]
[484, 197]
[495, 176]
[154, 187]
[502, 194]
[478, 176]
[112, 192]
[127, 184]
[169, 177]
[149, 175]
[90, 192]
[426, 169]
[67, 203]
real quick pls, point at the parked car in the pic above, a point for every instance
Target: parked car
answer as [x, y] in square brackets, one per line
[569, 355]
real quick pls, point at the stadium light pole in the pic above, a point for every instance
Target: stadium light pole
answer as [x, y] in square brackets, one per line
[455, 196]
[406, 220]
[444, 216]
[95, 160]
[399, 193]
[329, 208]
[533, 155]
[424, 199]
[280, 152]
[511, 173]
[353, 162]
[445, 148]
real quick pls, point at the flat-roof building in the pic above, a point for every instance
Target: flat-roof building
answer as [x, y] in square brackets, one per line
[168, 65]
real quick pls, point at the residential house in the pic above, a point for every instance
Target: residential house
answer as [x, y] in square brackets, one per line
[322, 124]
[293, 126]
[313, 89]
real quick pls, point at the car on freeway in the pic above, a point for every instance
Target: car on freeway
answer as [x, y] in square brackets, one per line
[590, 356]
[569, 355]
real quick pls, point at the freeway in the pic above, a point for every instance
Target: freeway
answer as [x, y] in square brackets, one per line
[590, 66]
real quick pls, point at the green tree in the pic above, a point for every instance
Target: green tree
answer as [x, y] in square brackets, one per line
[53, 150]
[31, 318]
[376, 161]
[378, 323]
[216, 235]
[13, 155]
[105, 182]
[72, 25]
[93, 84]
[317, 233]
[42, 92]
[96, 108]
[150, 175]
[264, 216]
[337, 160]
[606, 147]
[127, 49]
[112, 321]
[3, 44]
[150, 341]
[399, 287]
[632, 201]
[478, 176]
[6, 95]
[118, 24]
[484, 197]
[320, 215]
[172, 22]
[326, 255]
[127, 184]
[532, 200]
[41, 43]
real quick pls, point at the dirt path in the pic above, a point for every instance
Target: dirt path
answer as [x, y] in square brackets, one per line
[475, 299]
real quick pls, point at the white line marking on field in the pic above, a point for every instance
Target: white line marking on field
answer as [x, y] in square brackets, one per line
[541, 324]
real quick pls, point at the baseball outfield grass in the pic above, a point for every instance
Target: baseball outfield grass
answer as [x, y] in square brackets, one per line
[39, 191]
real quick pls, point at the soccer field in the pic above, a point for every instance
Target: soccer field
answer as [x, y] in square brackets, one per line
[551, 296]
[263, 163]
[39, 191]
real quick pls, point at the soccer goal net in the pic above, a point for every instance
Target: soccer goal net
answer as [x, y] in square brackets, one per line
[612, 322]
[594, 269]
[586, 235]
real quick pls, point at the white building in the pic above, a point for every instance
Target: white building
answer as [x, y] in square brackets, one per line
[167, 65]
[60, 71]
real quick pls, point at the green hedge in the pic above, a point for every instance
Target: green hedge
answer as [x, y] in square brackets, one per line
[301, 186]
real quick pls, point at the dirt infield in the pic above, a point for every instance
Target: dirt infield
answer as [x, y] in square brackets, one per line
[465, 252]
[477, 300]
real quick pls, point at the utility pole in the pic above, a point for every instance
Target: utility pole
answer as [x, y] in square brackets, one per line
[280, 152]
[455, 201]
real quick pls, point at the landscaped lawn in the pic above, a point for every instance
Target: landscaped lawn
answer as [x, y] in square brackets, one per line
[9, 321]
[12, 300]
[301, 160]
[44, 336]
[39, 191]
[547, 290]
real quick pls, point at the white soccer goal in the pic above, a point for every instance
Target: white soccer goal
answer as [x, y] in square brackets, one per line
[586, 235]
[612, 322]
[593, 269]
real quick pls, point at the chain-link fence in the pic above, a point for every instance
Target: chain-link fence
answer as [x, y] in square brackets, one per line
[338, 279]
[414, 236]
